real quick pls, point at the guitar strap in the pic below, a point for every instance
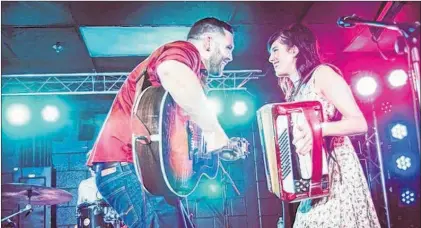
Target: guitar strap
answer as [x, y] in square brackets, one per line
[138, 127]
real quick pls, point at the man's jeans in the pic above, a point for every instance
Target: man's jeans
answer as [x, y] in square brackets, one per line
[137, 208]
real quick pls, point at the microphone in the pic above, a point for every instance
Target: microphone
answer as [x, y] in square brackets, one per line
[29, 212]
[348, 21]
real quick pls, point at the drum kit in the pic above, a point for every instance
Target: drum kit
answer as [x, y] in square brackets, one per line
[93, 214]
[97, 214]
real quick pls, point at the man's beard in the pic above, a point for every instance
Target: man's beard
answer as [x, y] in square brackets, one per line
[215, 63]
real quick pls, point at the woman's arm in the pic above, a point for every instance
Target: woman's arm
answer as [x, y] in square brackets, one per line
[332, 86]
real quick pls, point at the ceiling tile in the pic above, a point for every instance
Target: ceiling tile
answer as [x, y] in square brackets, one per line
[32, 48]
[26, 13]
[112, 41]
[148, 13]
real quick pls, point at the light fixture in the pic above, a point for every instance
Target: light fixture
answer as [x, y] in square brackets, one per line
[18, 114]
[58, 47]
[407, 196]
[239, 108]
[366, 86]
[399, 131]
[397, 78]
[386, 107]
[403, 162]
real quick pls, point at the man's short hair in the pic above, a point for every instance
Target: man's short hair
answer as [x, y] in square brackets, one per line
[208, 25]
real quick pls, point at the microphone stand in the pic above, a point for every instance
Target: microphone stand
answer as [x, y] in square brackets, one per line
[227, 179]
[411, 33]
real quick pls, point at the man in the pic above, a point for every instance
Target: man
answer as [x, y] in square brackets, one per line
[87, 190]
[180, 68]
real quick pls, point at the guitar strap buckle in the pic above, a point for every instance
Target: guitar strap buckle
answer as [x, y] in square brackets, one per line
[145, 140]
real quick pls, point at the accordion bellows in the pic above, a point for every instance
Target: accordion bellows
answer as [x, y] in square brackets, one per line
[290, 176]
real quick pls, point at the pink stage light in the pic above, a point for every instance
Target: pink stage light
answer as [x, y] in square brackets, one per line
[366, 86]
[397, 78]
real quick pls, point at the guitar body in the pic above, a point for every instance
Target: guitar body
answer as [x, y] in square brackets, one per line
[173, 163]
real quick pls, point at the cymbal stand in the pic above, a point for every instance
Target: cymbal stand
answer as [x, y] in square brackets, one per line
[28, 208]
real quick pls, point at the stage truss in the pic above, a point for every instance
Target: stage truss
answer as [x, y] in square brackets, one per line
[103, 83]
[370, 154]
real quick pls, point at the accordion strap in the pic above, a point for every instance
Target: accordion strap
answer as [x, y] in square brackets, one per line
[316, 156]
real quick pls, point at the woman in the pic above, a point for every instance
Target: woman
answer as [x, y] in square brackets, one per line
[302, 77]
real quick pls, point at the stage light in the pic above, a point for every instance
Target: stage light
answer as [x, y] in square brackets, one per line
[215, 105]
[366, 86]
[18, 114]
[211, 188]
[386, 107]
[403, 162]
[408, 196]
[399, 131]
[239, 108]
[50, 113]
[397, 78]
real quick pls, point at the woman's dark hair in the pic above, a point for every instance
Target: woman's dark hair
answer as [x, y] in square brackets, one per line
[308, 56]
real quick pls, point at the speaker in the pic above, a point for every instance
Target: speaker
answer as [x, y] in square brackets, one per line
[86, 132]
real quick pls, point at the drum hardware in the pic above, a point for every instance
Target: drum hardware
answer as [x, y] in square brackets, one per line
[28, 209]
[97, 214]
[16, 193]
[34, 194]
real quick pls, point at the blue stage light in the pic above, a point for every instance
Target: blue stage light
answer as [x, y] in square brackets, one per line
[50, 113]
[18, 114]
[403, 162]
[399, 131]
[408, 196]
[239, 108]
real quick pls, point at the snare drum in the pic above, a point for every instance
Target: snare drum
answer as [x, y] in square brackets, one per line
[96, 214]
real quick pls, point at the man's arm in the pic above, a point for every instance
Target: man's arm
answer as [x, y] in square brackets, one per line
[185, 88]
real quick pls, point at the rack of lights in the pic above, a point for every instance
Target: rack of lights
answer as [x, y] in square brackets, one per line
[103, 83]
[372, 153]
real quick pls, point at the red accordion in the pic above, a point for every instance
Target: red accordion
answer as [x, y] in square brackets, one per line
[290, 176]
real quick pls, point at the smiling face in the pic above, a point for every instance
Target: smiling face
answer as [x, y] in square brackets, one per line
[282, 58]
[221, 53]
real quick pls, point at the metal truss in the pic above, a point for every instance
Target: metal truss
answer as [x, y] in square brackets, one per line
[371, 153]
[233, 80]
[103, 83]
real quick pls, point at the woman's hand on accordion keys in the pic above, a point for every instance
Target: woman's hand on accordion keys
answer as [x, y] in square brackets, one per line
[302, 138]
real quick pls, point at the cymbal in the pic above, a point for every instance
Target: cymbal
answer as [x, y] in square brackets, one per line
[39, 195]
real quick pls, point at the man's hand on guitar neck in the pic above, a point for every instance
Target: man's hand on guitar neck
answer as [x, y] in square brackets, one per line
[235, 149]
